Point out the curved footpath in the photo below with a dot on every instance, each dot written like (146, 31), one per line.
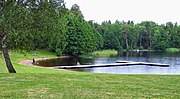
(29, 62)
(26, 62)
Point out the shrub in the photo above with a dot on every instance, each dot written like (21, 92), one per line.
(58, 52)
(105, 53)
(172, 50)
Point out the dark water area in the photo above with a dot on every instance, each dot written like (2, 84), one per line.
(153, 57)
(69, 61)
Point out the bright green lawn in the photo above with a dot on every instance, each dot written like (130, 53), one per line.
(88, 86)
(34, 83)
(16, 58)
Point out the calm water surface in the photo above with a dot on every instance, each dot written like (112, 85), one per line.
(155, 57)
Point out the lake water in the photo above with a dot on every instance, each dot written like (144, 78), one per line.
(154, 57)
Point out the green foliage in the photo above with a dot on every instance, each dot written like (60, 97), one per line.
(16, 25)
(160, 46)
(120, 48)
(141, 48)
(81, 38)
(105, 53)
(58, 36)
(110, 38)
(172, 50)
(99, 40)
(145, 35)
(58, 52)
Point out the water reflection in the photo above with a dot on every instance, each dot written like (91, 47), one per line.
(155, 57)
(67, 61)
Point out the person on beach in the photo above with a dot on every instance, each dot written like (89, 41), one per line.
(33, 62)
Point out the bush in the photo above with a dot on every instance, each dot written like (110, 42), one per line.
(172, 50)
(120, 48)
(58, 52)
(105, 53)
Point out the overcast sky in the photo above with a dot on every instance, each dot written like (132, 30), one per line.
(159, 11)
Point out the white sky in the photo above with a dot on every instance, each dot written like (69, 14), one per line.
(159, 11)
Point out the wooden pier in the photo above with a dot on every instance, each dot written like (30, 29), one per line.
(145, 63)
(118, 63)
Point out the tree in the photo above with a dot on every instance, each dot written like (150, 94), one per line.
(141, 31)
(80, 36)
(98, 37)
(53, 26)
(126, 35)
(14, 17)
(24, 21)
(107, 30)
(159, 41)
(58, 37)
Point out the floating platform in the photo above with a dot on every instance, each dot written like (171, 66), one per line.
(145, 63)
(118, 63)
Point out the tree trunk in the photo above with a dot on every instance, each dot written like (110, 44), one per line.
(140, 40)
(6, 54)
(127, 46)
(132, 44)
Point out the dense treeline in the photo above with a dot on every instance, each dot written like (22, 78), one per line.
(144, 35)
(65, 31)
(68, 33)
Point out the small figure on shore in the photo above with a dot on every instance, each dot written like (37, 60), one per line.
(78, 63)
(137, 50)
(33, 62)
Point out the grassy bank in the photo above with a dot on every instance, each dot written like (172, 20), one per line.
(105, 53)
(88, 86)
(32, 83)
(17, 57)
(172, 50)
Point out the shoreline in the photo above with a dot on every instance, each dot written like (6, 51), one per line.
(137, 50)
(30, 62)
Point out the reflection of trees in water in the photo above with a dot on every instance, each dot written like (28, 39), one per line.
(85, 61)
(135, 54)
(70, 61)
(147, 55)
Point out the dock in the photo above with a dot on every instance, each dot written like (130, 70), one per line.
(118, 63)
(145, 63)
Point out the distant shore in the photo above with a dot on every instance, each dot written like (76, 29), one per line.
(137, 50)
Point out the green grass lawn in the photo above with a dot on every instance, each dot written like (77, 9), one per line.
(34, 83)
